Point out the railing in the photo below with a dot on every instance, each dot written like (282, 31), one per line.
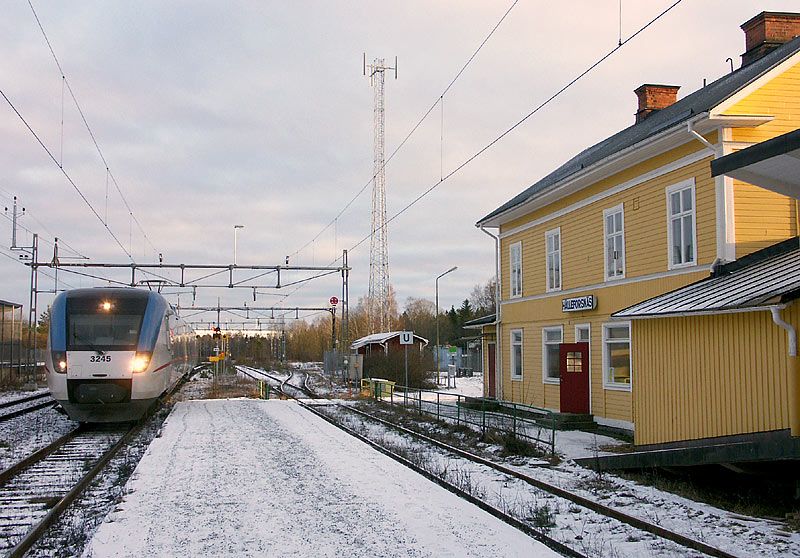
(530, 423)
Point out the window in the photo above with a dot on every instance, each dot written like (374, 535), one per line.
(614, 227)
(516, 269)
(553, 251)
(617, 356)
(551, 339)
(681, 224)
(516, 354)
(583, 333)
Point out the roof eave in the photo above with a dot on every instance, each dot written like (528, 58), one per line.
(612, 164)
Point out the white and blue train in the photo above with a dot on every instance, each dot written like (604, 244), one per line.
(113, 351)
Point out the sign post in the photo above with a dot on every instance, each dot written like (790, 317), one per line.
(406, 339)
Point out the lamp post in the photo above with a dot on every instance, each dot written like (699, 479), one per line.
(437, 319)
(235, 238)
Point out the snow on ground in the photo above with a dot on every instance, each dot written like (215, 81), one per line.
(21, 436)
(469, 386)
(265, 478)
(13, 394)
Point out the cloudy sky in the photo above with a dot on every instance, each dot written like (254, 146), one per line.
(211, 114)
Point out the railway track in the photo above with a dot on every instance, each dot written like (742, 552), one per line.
(37, 490)
(570, 498)
(23, 405)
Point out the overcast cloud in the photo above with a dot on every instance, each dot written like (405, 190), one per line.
(212, 114)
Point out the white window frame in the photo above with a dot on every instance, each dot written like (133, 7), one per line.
(684, 185)
(514, 286)
(547, 236)
(587, 327)
(607, 384)
(545, 378)
(607, 234)
(521, 332)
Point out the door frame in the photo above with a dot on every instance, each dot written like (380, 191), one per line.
(491, 369)
(564, 350)
(588, 326)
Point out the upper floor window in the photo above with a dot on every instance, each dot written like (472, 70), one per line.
(614, 232)
(681, 224)
(516, 269)
(553, 251)
(516, 354)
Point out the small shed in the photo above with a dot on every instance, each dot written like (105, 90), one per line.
(384, 343)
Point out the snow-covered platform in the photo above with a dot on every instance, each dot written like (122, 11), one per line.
(268, 478)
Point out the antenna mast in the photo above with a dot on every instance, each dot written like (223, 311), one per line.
(378, 297)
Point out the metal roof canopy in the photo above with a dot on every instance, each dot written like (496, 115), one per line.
(382, 338)
(765, 278)
(773, 164)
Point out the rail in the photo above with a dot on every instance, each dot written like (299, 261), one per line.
(527, 422)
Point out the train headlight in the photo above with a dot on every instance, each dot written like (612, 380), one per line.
(140, 362)
(60, 361)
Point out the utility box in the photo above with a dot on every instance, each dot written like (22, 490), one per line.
(377, 387)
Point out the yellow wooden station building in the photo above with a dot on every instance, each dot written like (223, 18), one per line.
(637, 216)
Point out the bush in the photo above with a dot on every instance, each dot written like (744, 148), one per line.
(392, 367)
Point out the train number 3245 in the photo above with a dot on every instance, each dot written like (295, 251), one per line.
(100, 358)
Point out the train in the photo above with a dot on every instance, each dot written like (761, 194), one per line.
(113, 351)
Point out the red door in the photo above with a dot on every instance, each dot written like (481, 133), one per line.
(574, 359)
(492, 361)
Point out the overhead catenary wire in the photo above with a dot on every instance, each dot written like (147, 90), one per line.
(69, 89)
(439, 99)
(65, 173)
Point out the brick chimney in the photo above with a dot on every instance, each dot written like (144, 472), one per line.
(766, 32)
(653, 98)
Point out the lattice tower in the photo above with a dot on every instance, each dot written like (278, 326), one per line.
(378, 296)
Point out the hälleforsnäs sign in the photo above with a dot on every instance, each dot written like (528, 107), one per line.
(578, 304)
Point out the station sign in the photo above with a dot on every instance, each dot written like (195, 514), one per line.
(578, 303)
(406, 337)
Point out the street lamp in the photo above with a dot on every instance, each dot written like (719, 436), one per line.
(235, 238)
(437, 319)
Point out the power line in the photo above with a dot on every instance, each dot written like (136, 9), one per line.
(509, 130)
(89, 128)
(66, 174)
(486, 147)
(427, 113)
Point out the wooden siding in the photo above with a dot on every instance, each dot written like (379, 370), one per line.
(646, 249)
(713, 375)
(533, 315)
(762, 218)
(780, 97)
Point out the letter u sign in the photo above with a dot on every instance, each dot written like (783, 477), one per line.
(406, 337)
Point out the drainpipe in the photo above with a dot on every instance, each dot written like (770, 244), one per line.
(701, 139)
(794, 370)
(498, 359)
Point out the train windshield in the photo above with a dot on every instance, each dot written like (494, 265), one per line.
(104, 324)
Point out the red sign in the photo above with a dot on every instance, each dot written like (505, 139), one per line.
(334, 301)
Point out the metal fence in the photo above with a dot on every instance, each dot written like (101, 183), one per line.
(530, 423)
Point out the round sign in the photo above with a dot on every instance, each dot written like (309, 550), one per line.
(334, 301)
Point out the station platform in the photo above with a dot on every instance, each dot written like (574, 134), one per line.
(269, 478)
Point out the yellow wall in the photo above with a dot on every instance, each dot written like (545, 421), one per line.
(763, 217)
(713, 375)
(779, 98)
(532, 316)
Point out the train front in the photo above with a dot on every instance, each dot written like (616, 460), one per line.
(100, 347)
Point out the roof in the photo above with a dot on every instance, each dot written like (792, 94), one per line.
(478, 323)
(765, 278)
(773, 164)
(681, 111)
(7, 304)
(381, 338)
